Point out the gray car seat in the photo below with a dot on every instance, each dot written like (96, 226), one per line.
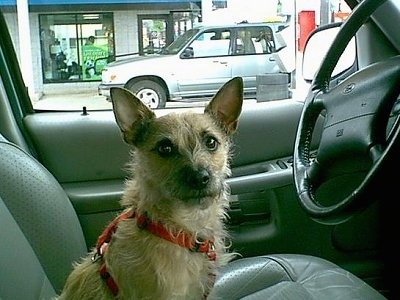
(22, 274)
(42, 237)
(43, 213)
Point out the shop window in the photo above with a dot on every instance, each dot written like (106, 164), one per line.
(71, 44)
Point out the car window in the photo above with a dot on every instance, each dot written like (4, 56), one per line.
(70, 47)
(180, 42)
(255, 40)
(211, 43)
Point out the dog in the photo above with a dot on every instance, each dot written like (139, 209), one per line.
(170, 238)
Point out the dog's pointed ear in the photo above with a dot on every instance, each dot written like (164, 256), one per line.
(226, 105)
(130, 113)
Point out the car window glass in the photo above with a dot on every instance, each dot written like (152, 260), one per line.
(180, 42)
(255, 40)
(211, 43)
(245, 42)
(316, 49)
(65, 72)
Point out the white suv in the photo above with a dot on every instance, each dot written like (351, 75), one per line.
(198, 62)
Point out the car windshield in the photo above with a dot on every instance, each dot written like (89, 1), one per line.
(173, 55)
(180, 42)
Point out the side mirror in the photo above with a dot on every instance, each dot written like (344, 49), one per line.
(280, 42)
(317, 46)
(187, 52)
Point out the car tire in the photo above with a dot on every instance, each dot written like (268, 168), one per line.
(149, 92)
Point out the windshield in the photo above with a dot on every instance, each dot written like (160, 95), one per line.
(180, 42)
(69, 49)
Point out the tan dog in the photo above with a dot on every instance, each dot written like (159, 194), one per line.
(170, 240)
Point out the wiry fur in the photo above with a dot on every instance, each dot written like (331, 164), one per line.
(164, 184)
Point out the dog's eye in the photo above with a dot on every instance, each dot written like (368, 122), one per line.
(211, 142)
(165, 148)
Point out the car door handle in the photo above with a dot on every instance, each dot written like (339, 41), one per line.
(271, 59)
(220, 62)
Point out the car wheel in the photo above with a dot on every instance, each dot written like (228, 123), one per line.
(356, 149)
(149, 92)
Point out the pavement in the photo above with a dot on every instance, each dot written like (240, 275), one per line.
(75, 100)
(92, 101)
(72, 101)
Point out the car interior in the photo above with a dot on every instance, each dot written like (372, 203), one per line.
(313, 183)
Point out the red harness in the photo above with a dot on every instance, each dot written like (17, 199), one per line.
(143, 222)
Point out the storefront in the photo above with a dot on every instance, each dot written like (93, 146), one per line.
(71, 43)
(66, 45)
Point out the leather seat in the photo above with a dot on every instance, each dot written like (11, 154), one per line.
(22, 275)
(42, 237)
(44, 215)
(291, 277)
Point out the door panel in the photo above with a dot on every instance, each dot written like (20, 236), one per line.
(77, 147)
(208, 57)
(87, 155)
(211, 73)
(93, 144)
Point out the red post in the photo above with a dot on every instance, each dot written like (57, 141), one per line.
(306, 21)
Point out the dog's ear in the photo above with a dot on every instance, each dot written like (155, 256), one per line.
(226, 105)
(130, 113)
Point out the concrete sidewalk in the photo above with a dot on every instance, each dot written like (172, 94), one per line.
(75, 100)
(91, 101)
(72, 101)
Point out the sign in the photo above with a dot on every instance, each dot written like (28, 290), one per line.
(91, 53)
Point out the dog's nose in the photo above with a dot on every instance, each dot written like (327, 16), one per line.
(198, 179)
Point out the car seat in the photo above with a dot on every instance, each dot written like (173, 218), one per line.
(42, 237)
(22, 274)
(44, 215)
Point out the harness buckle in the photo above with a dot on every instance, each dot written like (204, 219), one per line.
(96, 257)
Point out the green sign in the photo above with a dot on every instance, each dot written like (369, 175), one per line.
(91, 53)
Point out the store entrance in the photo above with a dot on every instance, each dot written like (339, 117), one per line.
(159, 30)
(155, 32)
(71, 44)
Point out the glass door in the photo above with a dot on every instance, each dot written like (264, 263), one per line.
(154, 33)
(158, 31)
(71, 44)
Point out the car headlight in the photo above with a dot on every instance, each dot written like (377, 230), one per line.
(107, 76)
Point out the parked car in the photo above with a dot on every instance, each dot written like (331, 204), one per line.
(314, 183)
(198, 63)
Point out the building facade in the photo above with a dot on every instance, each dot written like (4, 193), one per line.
(66, 39)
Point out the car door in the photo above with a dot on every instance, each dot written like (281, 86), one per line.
(205, 64)
(85, 152)
(253, 55)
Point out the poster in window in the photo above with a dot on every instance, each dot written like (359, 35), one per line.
(93, 61)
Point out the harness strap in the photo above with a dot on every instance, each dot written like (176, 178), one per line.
(109, 281)
(143, 222)
(101, 247)
(180, 238)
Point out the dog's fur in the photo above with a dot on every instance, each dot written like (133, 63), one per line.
(179, 166)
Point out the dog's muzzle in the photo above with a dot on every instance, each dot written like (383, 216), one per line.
(197, 179)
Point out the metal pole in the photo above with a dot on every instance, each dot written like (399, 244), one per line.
(25, 45)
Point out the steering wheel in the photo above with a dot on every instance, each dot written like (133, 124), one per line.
(354, 139)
